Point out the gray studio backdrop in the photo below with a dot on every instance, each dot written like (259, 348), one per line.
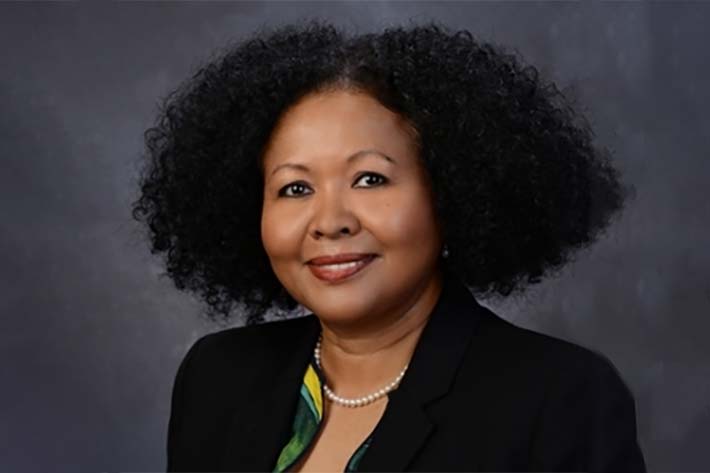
(91, 335)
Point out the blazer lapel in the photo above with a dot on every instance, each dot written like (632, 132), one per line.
(405, 426)
(260, 429)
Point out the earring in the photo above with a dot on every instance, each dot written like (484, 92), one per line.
(445, 252)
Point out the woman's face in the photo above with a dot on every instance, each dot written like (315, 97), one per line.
(341, 175)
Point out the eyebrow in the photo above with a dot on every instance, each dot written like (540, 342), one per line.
(353, 157)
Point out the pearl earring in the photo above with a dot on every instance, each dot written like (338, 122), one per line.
(445, 252)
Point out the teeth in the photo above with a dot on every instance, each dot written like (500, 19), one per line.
(342, 265)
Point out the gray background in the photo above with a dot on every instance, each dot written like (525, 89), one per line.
(90, 335)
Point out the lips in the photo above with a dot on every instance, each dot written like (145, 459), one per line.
(340, 258)
(342, 268)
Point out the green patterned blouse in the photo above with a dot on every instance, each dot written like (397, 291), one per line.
(307, 422)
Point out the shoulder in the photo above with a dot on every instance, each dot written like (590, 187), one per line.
(548, 353)
(572, 378)
(218, 375)
(580, 413)
(220, 366)
(247, 341)
(511, 359)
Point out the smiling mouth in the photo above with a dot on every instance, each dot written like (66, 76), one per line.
(340, 271)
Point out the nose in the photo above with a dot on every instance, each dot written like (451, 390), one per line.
(332, 218)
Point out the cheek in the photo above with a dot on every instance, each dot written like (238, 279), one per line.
(281, 232)
(404, 223)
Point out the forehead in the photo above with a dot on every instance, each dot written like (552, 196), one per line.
(335, 125)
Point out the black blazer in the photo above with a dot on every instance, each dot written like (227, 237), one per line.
(480, 394)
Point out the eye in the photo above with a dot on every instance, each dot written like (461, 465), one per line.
(299, 186)
(293, 185)
(382, 178)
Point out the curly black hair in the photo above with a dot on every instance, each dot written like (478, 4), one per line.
(518, 183)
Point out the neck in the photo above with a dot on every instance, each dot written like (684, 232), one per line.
(358, 361)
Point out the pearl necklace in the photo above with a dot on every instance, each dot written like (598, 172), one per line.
(360, 401)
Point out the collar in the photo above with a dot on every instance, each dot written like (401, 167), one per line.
(256, 437)
(405, 426)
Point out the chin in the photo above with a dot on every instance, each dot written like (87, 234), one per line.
(341, 311)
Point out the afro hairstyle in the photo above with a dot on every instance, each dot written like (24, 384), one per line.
(519, 185)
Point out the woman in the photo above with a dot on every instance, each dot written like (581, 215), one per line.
(373, 179)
